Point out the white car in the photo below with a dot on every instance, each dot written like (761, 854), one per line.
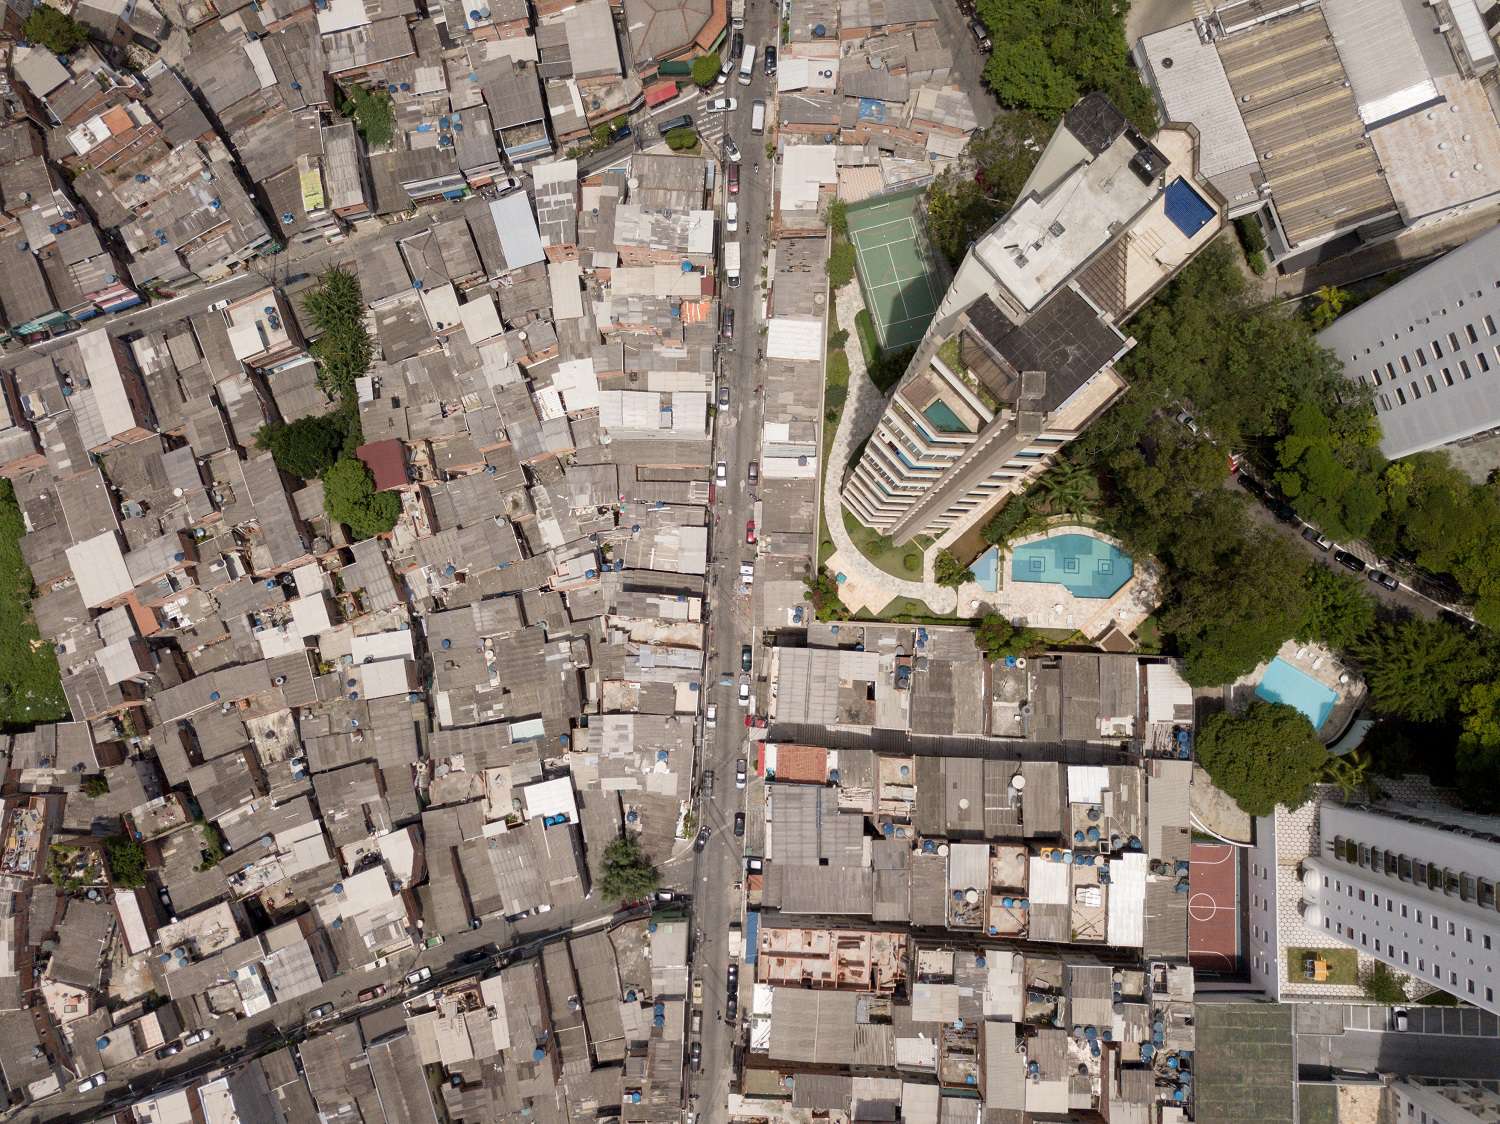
(711, 716)
(93, 1082)
(747, 572)
(731, 150)
(421, 975)
(731, 216)
(720, 105)
(197, 1036)
(745, 691)
(220, 306)
(721, 474)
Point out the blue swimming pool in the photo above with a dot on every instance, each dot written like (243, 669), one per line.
(987, 569)
(1087, 566)
(1188, 210)
(1283, 683)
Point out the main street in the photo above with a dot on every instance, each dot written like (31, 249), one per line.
(719, 869)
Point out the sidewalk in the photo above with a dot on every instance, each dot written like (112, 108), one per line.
(865, 585)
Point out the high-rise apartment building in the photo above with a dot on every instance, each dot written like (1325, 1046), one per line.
(1021, 355)
(1413, 886)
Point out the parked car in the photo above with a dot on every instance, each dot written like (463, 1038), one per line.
(769, 62)
(1186, 419)
(752, 472)
(695, 1057)
(1399, 1018)
(197, 1036)
(475, 955)
(723, 398)
(755, 721)
(747, 572)
(739, 825)
(720, 105)
(1317, 538)
(1457, 620)
(728, 328)
(1349, 561)
(90, 1083)
(681, 121)
(1380, 577)
(981, 36)
(321, 1011)
(707, 783)
(737, 46)
(740, 773)
(750, 532)
(731, 216)
(1253, 486)
(697, 1023)
(747, 655)
(744, 693)
(370, 993)
(170, 1050)
(420, 976)
(734, 179)
(220, 306)
(1283, 510)
(698, 992)
(731, 152)
(721, 474)
(711, 715)
(702, 840)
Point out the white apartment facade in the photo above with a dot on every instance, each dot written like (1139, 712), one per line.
(1412, 886)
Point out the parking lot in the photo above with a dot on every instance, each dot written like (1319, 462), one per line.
(1458, 1022)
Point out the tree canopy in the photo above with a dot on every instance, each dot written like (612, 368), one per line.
(342, 349)
(706, 70)
(967, 199)
(997, 638)
(948, 570)
(1268, 755)
(626, 872)
(126, 860)
(349, 495)
(305, 448)
(1383, 986)
(1417, 669)
(373, 114)
(1048, 53)
(54, 29)
(1339, 611)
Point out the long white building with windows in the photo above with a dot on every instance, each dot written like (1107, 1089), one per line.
(1413, 886)
(1021, 355)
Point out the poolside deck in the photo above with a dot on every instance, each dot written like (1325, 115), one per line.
(1053, 605)
(1318, 663)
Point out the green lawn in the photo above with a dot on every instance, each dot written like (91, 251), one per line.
(30, 688)
(1343, 965)
(904, 561)
(909, 607)
(1148, 636)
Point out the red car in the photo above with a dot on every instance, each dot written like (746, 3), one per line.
(750, 533)
(755, 721)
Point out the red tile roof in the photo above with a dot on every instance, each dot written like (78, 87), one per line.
(386, 461)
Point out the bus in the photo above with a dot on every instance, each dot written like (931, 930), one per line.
(747, 65)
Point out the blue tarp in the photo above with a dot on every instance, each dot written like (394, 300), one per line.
(872, 109)
(752, 934)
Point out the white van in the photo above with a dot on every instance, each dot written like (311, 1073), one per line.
(732, 215)
(747, 65)
(758, 117)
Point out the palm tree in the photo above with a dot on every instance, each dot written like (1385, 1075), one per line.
(1065, 487)
(1350, 772)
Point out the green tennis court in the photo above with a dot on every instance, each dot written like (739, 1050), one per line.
(898, 272)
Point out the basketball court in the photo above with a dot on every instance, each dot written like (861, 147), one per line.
(898, 272)
(1214, 908)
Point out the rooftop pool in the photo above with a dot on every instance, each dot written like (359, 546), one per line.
(1086, 566)
(1283, 683)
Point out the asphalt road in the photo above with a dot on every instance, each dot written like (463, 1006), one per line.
(718, 870)
(1408, 1052)
(968, 61)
